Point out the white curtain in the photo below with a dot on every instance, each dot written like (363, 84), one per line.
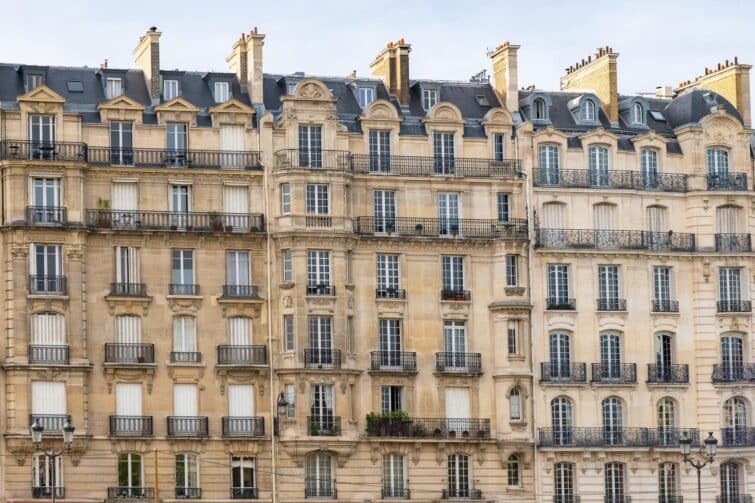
(728, 220)
(554, 216)
(128, 329)
(657, 221)
(48, 329)
(124, 196)
(240, 331)
(241, 400)
(185, 400)
(184, 334)
(603, 216)
(128, 399)
(48, 397)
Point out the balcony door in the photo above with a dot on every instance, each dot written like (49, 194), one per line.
(232, 146)
(560, 356)
(240, 331)
(459, 479)
(46, 200)
(46, 265)
(42, 136)
(322, 407)
(318, 269)
(126, 265)
(666, 412)
(384, 210)
(598, 166)
(180, 202)
(238, 267)
(121, 143)
(457, 410)
(649, 167)
(48, 329)
(176, 143)
(562, 421)
(610, 356)
(613, 421)
(128, 329)
(49, 399)
(455, 345)
(390, 342)
(241, 400)
(236, 208)
(730, 484)
(128, 399)
(320, 340)
(730, 286)
(558, 284)
(310, 146)
(130, 476)
(664, 356)
(444, 154)
(185, 400)
(453, 275)
(380, 151)
(608, 287)
(124, 204)
(184, 334)
(732, 360)
(449, 204)
(387, 275)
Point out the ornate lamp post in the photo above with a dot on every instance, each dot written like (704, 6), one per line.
(36, 438)
(705, 456)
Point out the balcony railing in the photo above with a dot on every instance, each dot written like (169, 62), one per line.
(735, 437)
(614, 437)
(158, 158)
(130, 426)
(423, 427)
(398, 491)
(243, 426)
(734, 306)
(176, 221)
(569, 498)
(43, 150)
(461, 228)
(130, 353)
(390, 293)
(52, 423)
(128, 289)
(560, 304)
(455, 362)
(320, 488)
(187, 426)
(668, 374)
(455, 295)
(428, 166)
(130, 493)
(185, 357)
(322, 358)
(612, 179)
(183, 289)
(242, 355)
(733, 373)
(45, 492)
(665, 306)
(466, 493)
(727, 181)
(323, 426)
(240, 291)
(244, 493)
(339, 160)
(48, 285)
(670, 498)
(563, 372)
(736, 498)
(733, 243)
(615, 239)
(393, 361)
(622, 373)
(611, 304)
(325, 290)
(188, 493)
(46, 215)
(48, 355)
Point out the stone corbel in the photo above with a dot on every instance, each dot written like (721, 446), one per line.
(250, 447)
(77, 449)
(21, 449)
(440, 453)
(184, 304)
(416, 453)
(118, 446)
(196, 446)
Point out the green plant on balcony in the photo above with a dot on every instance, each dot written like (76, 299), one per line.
(389, 424)
(104, 218)
(216, 221)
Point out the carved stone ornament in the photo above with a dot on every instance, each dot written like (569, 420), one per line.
(185, 304)
(20, 448)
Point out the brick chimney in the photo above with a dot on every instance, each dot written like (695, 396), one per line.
(596, 74)
(147, 59)
(730, 79)
(245, 61)
(392, 65)
(506, 74)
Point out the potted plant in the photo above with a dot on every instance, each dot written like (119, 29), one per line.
(216, 222)
(418, 229)
(104, 216)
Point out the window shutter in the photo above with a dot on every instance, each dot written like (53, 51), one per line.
(185, 400)
(48, 397)
(128, 399)
(48, 329)
(240, 331)
(241, 400)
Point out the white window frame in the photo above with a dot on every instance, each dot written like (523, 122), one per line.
(287, 266)
(113, 87)
(366, 95)
(512, 271)
(170, 89)
(190, 463)
(429, 98)
(285, 198)
(319, 268)
(289, 336)
(221, 92)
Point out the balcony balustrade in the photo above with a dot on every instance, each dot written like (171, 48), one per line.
(735, 498)
(393, 361)
(668, 374)
(615, 437)
(622, 373)
(129, 353)
(727, 181)
(465, 493)
(412, 165)
(575, 373)
(733, 373)
(458, 363)
(48, 285)
(321, 289)
(43, 150)
(183, 289)
(734, 306)
(612, 179)
(737, 437)
(188, 493)
(457, 295)
(128, 289)
(46, 215)
(322, 488)
(188, 426)
(461, 228)
(253, 426)
(179, 158)
(397, 491)
(242, 355)
(244, 493)
(615, 239)
(322, 358)
(52, 423)
(45, 492)
(423, 427)
(48, 355)
(390, 293)
(130, 426)
(185, 357)
(611, 304)
(733, 242)
(193, 221)
(240, 292)
(130, 493)
(665, 306)
(324, 426)
(560, 304)
(314, 159)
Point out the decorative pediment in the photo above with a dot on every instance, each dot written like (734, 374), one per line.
(549, 135)
(444, 114)
(242, 375)
(298, 450)
(176, 110)
(120, 445)
(313, 90)
(121, 108)
(231, 112)
(497, 117)
(599, 135)
(380, 113)
(144, 373)
(651, 139)
(41, 94)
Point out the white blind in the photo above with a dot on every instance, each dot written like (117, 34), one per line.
(235, 199)
(603, 216)
(657, 221)
(231, 144)
(48, 397)
(126, 264)
(124, 196)
(128, 329)
(48, 329)
(457, 403)
(554, 216)
(727, 220)
(128, 399)
(240, 331)
(241, 400)
(184, 334)
(185, 400)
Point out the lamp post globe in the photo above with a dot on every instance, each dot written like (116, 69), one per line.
(68, 430)
(36, 432)
(710, 445)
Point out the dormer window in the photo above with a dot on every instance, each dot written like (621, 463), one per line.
(638, 113)
(170, 89)
(366, 95)
(291, 88)
(113, 87)
(589, 114)
(33, 81)
(429, 98)
(540, 112)
(222, 92)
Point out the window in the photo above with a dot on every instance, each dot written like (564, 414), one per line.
(604, 219)
(113, 87)
(238, 269)
(540, 110)
(453, 275)
(46, 201)
(513, 475)
(448, 213)
(121, 143)
(499, 147)
(389, 341)
(366, 95)
(649, 167)
(285, 198)
(563, 483)
(130, 476)
(48, 404)
(390, 399)
(503, 207)
(558, 286)
(317, 199)
(735, 431)
(668, 483)
(515, 404)
(176, 143)
(291, 88)
(43, 472)
(614, 481)
(48, 329)
(74, 86)
(610, 356)
(127, 268)
(729, 288)
(731, 486)
(429, 98)
(394, 477)
(319, 479)
(128, 330)
(560, 355)
(46, 269)
(608, 288)
(512, 337)
(384, 210)
(310, 146)
(562, 421)
(170, 89)
(187, 476)
(222, 92)
(598, 168)
(444, 153)
(322, 408)
(290, 401)
(185, 404)
(33, 81)
(318, 268)
(613, 421)
(287, 266)
(388, 278)
(664, 357)
(320, 340)
(732, 350)
(180, 203)
(718, 162)
(184, 338)
(459, 480)
(455, 344)
(589, 114)
(380, 151)
(666, 420)
(243, 477)
(728, 220)
(182, 272)
(512, 270)
(240, 330)
(548, 165)
(657, 224)
(638, 113)
(662, 289)
(42, 136)
(289, 342)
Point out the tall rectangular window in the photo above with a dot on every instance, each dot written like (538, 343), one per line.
(238, 268)
(390, 399)
(444, 153)
(318, 268)
(33, 81)
(126, 265)
(499, 147)
(384, 210)
(187, 476)
(287, 266)
(43, 474)
(662, 284)
(729, 285)
(558, 284)
(184, 336)
(512, 270)
(318, 199)
(512, 337)
(504, 213)
(170, 89)
(608, 287)
(388, 281)
(289, 342)
(285, 199)
(46, 201)
(394, 477)
(121, 143)
(290, 401)
(380, 151)
(310, 146)
(42, 136)
(182, 267)
(113, 87)
(243, 477)
(176, 137)
(453, 273)
(222, 92)
(46, 269)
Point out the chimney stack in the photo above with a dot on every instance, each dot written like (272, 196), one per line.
(392, 65)
(506, 74)
(245, 61)
(147, 59)
(597, 74)
(664, 92)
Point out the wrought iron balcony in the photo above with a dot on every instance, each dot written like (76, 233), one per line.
(48, 285)
(128, 289)
(466, 493)
(458, 363)
(183, 289)
(668, 374)
(622, 373)
(455, 295)
(240, 292)
(427, 166)
(461, 228)
(615, 239)
(322, 358)
(665, 306)
(253, 426)
(397, 491)
(52, 423)
(611, 304)
(734, 306)
(670, 498)
(736, 498)
(130, 493)
(194, 221)
(390, 293)
(560, 304)
(736, 437)
(129, 353)
(130, 426)
(727, 181)
(48, 355)
(180, 158)
(188, 426)
(185, 357)
(320, 488)
(242, 355)
(563, 372)
(570, 498)
(46, 215)
(244, 493)
(339, 160)
(612, 179)
(45, 492)
(424, 427)
(393, 361)
(614, 437)
(617, 499)
(733, 373)
(733, 243)
(321, 289)
(323, 426)
(43, 150)
(188, 493)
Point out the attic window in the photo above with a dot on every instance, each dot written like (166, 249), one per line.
(540, 110)
(75, 86)
(33, 81)
(222, 92)
(657, 116)
(638, 113)
(482, 101)
(291, 88)
(170, 89)
(589, 111)
(366, 96)
(113, 88)
(429, 98)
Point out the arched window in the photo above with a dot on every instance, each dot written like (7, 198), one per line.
(319, 481)
(459, 476)
(718, 162)
(562, 421)
(514, 478)
(515, 404)
(589, 111)
(610, 356)
(638, 113)
(649, 167)
(598, 167)
(548, 165)
(560, 358)
(563, 483)
(614, 482)
(730, 483)
(130, 476)
(612, 412)
(541, 112)
(735, 422)
(394, 477)
(668, 483)
(732, 366)
(666, 419)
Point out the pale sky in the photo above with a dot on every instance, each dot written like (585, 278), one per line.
(660, 42)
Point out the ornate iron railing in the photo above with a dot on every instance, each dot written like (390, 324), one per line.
(623, 373)
(128, 289)
(427, 165)
(560, 304)
(132, 353)
(52, 423)
(455, 295)
(461, 228)
(242, 355)
(130, 426)
(615, 239)
(174, 221)
(727, 181)
(393, 361)
(734, 306)
(467, 493)
(728, 372)
(188, 493)
(253, 426)
(665, 306)
(327, 290)
(566, 498)
(614, 437)
(398, 491)
(43, 150)
(736, 498)
(130, 493)
(668, 374)
(457, 362)
(48, 355)
(46, 215)
(244, 493)
(733, 242)
(612, 179)
(339, 160)
(611, 304)
(183, 289)
(734, 437)
(426, 427)
(48, 285)
(563, 372)
(241, 291)
(670, 498)
(322, 358)
(45, 492)
(178, 158)
(320, 488)
(188, 426)
(185, 357)
(390, 293)
(324, 426)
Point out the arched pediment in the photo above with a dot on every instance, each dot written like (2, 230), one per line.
(312, 89)
(549, 134)
(651, 139)
(497, 116)
(599, 135)
(380, 110)
(721, 128)
(446, 113)
(121, 108)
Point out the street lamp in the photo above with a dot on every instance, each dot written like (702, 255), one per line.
(281, 405)
(705, 456)
(36, 438)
